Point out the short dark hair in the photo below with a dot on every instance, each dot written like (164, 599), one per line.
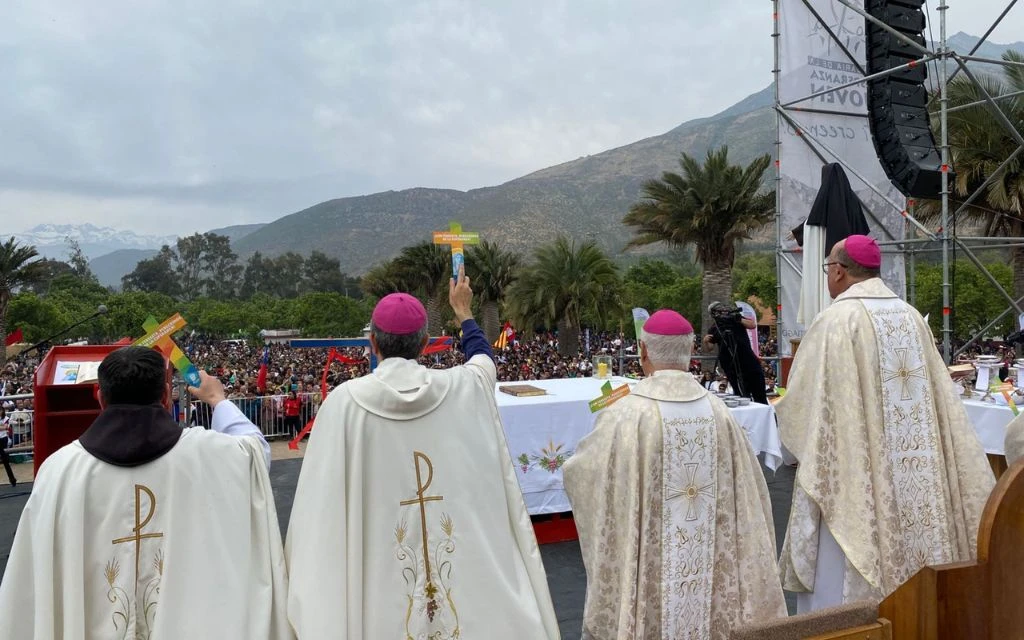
(390, 345)
(133, 375)
(854, 269)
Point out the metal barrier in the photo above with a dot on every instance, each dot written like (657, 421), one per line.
(19, 424)
(268, 413)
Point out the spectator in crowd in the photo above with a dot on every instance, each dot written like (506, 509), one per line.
(5, 440)
(292, 406)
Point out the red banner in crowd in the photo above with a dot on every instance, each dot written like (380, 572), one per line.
(15, 337)
(332, 356)
(436, 345)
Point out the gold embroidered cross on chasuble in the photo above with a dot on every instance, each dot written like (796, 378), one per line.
(431, 609)
(132, 609)
(911, 439)
(689, 468)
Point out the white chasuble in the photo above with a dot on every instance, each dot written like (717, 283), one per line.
(408, 521)
(185, 546)
(673, 517)
(689, 460)
(892, 476)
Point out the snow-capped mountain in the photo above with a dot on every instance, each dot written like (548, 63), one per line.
(51, 240)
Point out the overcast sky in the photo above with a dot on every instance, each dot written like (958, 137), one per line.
(172, 116)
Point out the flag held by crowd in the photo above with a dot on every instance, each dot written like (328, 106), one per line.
(639, 318)
(437, 345)
(14, 337)
(506, 336)
(261, 377)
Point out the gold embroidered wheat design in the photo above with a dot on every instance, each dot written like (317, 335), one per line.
(111, 571)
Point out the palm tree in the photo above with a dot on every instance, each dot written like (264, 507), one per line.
(492, 271)
(564, 283)
(980, 144)
(382, 280)
(712, 207)
(19, 267)
(426, 269)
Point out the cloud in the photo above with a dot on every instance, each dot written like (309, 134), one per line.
(207, 114)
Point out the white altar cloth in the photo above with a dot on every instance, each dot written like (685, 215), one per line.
(990, 422)
(542, 433)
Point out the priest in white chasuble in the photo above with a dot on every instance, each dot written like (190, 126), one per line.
(892, 476)
(672, 509)
(143, 530)
(408, 520)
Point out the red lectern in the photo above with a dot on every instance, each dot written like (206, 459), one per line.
(64, 408)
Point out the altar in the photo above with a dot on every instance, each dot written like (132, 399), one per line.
(543, 431)
(989, 420)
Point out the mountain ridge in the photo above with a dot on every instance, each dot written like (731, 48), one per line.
(584, 198)
(51, 240)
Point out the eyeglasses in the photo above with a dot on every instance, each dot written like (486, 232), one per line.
(825, 266)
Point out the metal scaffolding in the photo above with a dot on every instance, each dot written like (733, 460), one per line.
(920, 238)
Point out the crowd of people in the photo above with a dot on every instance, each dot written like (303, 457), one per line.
(291, 393)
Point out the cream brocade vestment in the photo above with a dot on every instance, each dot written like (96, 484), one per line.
(889, 461)
(1014, 441)
(674, 518)
(408, 520)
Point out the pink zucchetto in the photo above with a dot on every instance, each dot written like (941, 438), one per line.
(864, 251)
(667, 322)
(399, 314)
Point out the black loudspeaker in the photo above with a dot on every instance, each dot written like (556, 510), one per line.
(898, 102)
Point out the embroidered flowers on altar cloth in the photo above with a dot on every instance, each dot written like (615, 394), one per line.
(551, 458)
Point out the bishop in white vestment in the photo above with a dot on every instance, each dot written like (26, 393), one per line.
(142, 530)
(672, 509)
(892, 476)
(408, 519)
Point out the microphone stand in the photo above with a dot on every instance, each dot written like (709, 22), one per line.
(99, 312)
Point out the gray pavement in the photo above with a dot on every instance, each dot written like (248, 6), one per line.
(562, 562)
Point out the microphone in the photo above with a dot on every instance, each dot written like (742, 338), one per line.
(100, 311)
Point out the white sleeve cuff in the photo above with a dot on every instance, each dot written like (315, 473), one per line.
(229, 420)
